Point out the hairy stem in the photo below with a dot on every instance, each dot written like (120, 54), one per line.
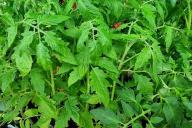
(189, 15)
(137, 117)
(127, 48)
(52, 83)
(88, 90)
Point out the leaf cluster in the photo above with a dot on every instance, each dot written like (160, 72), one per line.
(96, 63)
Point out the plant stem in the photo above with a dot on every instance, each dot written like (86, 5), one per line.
(189, 15)
(39, 34)
(137, 117)
(151, 125)
(127, 60)
(88, 90)
(52, 82)
(124, 55)
(35, 27)
(127, 48)
(128, 70)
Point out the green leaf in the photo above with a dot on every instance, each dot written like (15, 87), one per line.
(187, 124)
(2, 106)
(188, 104)
(86, 120)
(72, 109)
(46, 106)
(24, 62)
(73, 32)
(21, 124)
(12, 32)
(127, 95)
(51, 40)
(157, 52)
(111, 53)
(63, 53)
(31, 112)
(43, 122)
(134, 3)
(168, 37)
(106, 116)
(108, 65)
(89, 10)
(77, 74)
(85, 30)
(104, 37)
(173, 111)
(137, 125)
(10, 116)
(26, 41)
(37, 80)
(7, 19)
(127, 109)
(148, 13)
(64, 69)
(21, 102)
(27, 123)
(93, 99)
(173, 2)
(83, 57)
(156, 119)
(117, 8)
(158, 60)
(143, 58)
(144, 84)
(22, 53)
(179, 81)
(68, 6)
(160, 9)
(52, 19)
(43, 57)
(100, 85)
(7, 78)
(169, 112)
(184, 51)
(62, 120)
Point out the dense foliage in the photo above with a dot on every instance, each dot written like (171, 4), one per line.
(96, 63)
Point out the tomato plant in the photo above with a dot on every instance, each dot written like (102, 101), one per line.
(96, 63)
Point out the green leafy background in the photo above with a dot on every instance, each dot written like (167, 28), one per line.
(96, 63)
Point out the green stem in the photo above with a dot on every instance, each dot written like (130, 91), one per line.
(128, 70)
(52, 82)
(151, 125)
(39, 34)
(35, 27)
(88, 90)
(134, 119)
(127, 48)
(127, 60)
(189, 15)
(113, 90)
(120, 66)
